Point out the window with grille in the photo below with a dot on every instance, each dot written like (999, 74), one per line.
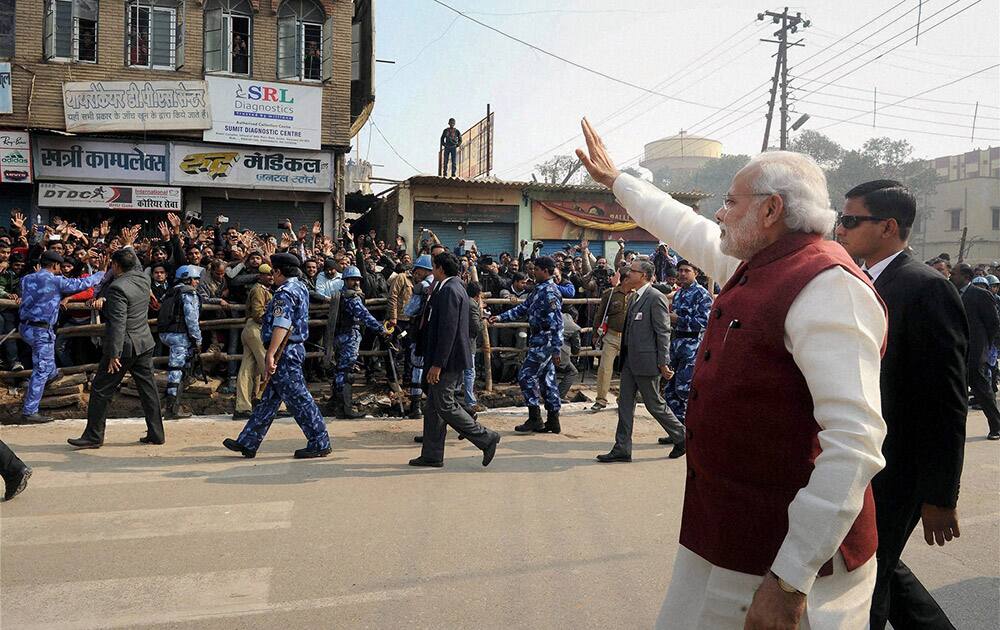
(6, 28)
(70, 30)
(228, 36)
(152, 36)
(996, 218)
(305, 41)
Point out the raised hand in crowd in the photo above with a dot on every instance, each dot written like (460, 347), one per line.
(105, 228)
(164, 230)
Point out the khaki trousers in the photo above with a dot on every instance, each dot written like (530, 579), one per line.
(251, 367)
(609, 352)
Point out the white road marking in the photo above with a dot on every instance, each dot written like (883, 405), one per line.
(128, 602)
(133, 524)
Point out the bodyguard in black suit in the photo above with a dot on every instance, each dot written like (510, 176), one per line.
(984, 322)
(128, 347)
(448, 353)
(924, 400)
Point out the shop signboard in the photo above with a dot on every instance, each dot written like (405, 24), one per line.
(6, 92)
(259, 113)
(239, 167)
(78, 160)
(109, 197)
(595, 220)
(97, 106)
(15, 157)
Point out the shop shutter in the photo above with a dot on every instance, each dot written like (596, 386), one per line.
(261, 216)
(646, 248)
(491, 238)
(552, 246)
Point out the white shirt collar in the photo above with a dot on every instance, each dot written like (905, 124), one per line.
(640, 291)
(876, 270)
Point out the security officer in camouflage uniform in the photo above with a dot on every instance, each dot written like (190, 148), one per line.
(285, 327)
(351, 314)
(688, 318)
(545, 322)
(422, 283)
(40, 295)
(180, 332)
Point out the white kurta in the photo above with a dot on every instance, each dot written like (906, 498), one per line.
(834, 330)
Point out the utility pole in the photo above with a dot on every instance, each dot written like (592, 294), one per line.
(789, 24)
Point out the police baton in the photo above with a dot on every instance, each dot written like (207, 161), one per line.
(267, 375)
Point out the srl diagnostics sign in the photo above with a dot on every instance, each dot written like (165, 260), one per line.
(265, 114)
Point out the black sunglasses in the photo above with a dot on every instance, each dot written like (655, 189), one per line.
(851, 221)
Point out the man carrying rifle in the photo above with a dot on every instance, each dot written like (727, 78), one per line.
(284, 330)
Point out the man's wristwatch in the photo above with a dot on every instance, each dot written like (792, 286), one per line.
(785, 586)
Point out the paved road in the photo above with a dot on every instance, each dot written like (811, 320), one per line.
(191, 536)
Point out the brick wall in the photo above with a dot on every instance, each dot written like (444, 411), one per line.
(46, 96)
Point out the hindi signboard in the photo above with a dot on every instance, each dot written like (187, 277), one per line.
(238, 167)
(15, 157)
(94, 106)
(258, 113)
(80, 160)
(6, 93)
(109, 197)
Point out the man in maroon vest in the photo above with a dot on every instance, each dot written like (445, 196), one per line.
(784, 424)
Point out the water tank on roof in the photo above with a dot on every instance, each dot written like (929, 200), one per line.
(679, 154)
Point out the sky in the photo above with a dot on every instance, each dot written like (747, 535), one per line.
(704, 61)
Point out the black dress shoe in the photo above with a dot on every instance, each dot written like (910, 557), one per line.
(35, 418)
(677, 452)
(419, 439)
(148, 440)
(665, 440)
(993, 436)
(430, 463)
(613, 457)
(312, 453)
(490, 450)
(81, 443)
(16, 484)
(233, 445)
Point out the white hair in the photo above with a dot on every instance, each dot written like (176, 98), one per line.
(802, 185)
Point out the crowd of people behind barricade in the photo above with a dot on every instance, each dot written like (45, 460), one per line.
(223, 267)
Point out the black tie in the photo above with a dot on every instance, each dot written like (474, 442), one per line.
(868, 274)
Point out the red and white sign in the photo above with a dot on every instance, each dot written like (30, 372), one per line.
(106, 197)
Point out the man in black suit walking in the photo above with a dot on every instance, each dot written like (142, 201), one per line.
(128, 346)
(923, 397)
(448, 353)
(984, 323)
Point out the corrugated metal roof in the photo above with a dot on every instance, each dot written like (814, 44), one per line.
(493, 182)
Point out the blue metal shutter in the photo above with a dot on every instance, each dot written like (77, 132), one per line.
(647, 248)
(491, 238)
(552, 246)
(261, 216)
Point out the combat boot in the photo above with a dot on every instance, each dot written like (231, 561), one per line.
(346, 407)
(534, 423)
(552, 421)
(414, 412)
(169, 405)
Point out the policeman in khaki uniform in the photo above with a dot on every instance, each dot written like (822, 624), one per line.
(614, 303)
(40, 295)
(544, 311)
(252, 366)
(285, 327)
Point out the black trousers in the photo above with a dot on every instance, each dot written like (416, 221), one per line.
(983, 391)
(899, 596)
(10, 464)
(103, 392)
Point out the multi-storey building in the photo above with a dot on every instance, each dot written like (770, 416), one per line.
(966, 201)
(241, 108)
